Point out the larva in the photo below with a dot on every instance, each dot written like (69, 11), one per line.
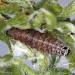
(40, 41)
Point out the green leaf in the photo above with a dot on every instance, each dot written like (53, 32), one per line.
(37, 20)
(42, 62)
(39, 4)
(66, 31)
(73, 22)
(65, 27)
(27, 50)
(12, 69)
(7, 57)
(5, 39)
(58, 71)
(9, 9)
(27, 69)
(1, 17)
(16, 70)
(53, 6)
(5, 70)
(50, 5)
(71, 59)
(53, 60)
(20, 3)
(20, 21)
(68, 11)
(2, 24)
(44, 20)
(50, 20)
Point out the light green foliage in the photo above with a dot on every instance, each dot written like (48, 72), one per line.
(66, 28)
(5, 68)
(27, 50)
(5, 39)
(50, 5)
(68, 11)
(37, 20)
(1, 17)
(21, 3)
(2, 24)
(9, 9)
(16, 70)
(39, 4)
(71, 59)
(42, 62)
(50, 20)
(43, 19)
(53, 60)
(49, 16)
(5, 71)
(20, 21)
(58, 71)
(53, 7)
(7, 58)
(27, 69)
(12, 69)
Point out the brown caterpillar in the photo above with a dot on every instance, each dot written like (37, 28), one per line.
(40, 41)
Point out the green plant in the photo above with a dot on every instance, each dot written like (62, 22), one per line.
(47, 15)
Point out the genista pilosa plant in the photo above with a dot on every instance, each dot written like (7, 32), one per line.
(42, 32)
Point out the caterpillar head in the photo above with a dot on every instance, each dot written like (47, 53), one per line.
(66, 50)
